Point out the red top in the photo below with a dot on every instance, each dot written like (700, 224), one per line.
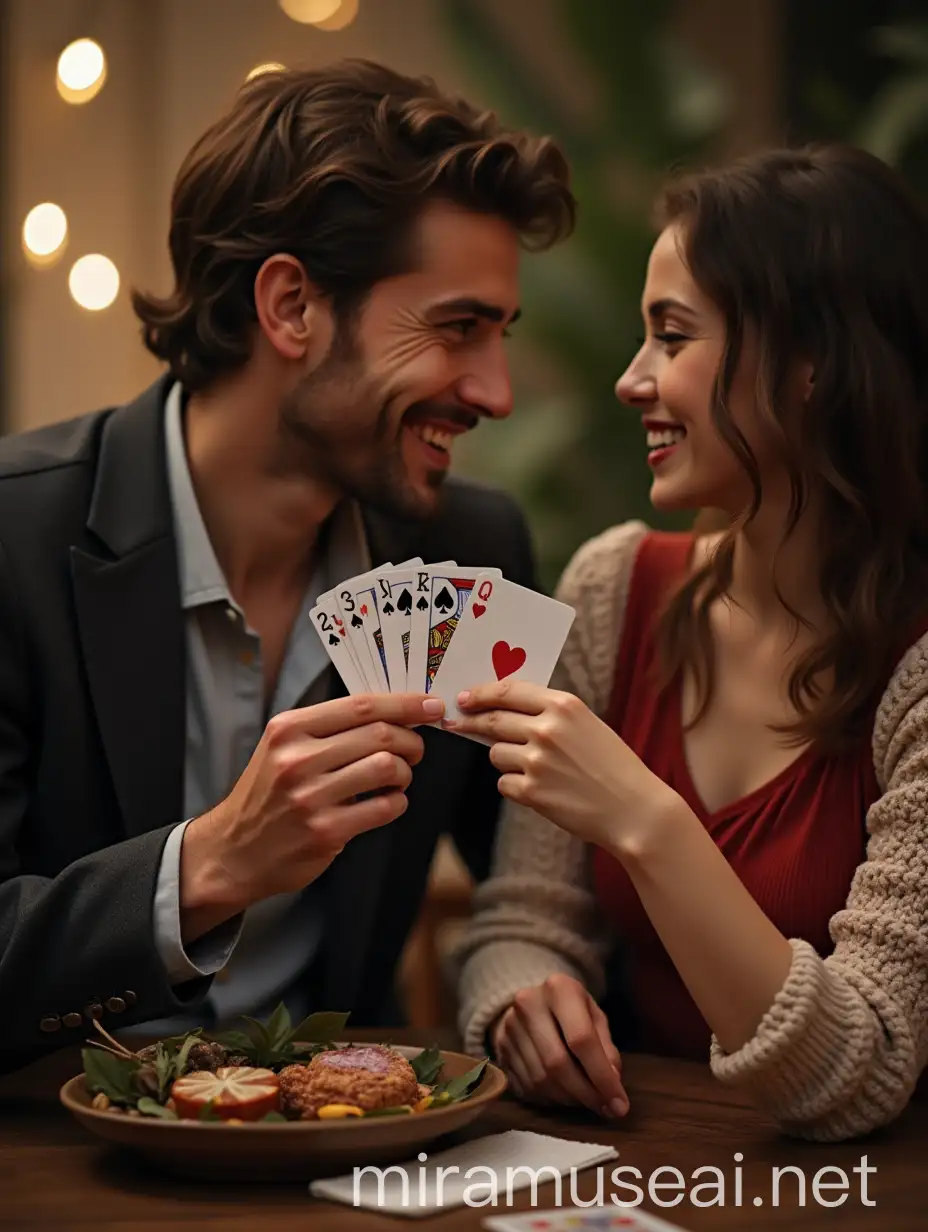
(794, 843)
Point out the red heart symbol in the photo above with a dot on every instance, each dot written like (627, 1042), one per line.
(507, 659)
(478, 609)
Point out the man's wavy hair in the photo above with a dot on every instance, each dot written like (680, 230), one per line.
(824, 253)
(331, 166)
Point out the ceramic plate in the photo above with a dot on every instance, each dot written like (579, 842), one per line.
(298, 1150)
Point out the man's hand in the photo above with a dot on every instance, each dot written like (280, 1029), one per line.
(296, 804)
(555, 1045)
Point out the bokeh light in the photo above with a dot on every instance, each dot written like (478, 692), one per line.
(260, 69)
(81, 71)
(343, 16)
(45, 230)
(94, 282)
(309, 12)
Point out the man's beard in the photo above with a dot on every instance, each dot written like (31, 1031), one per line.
(324, 435)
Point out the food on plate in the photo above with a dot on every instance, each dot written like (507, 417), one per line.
(360, 1077)
(239, 1092)
(270, 1071)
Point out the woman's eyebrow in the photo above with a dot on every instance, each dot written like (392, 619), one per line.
(660, 307)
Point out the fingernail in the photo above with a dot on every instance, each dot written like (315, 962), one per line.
(448, 724)
(434, 706)
(618, 1106)
(464, 697)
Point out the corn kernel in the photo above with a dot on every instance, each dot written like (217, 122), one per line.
(331, 1112)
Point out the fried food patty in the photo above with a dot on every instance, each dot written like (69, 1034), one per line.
(370, 1077)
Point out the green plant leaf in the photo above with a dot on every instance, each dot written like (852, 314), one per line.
(459, 1088)
(165, 1069)
(274, 1116)
(235, 1041)
(110, 1074)
(150, 1107)
(180, 1061)
(396, 1110)
(259, 1033)
(321, 1028)
(208, 1113)
(427, 1065)
(279, 1027)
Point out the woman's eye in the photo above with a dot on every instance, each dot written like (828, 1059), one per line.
(671, 339)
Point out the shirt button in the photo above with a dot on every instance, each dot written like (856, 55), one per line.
(51, 1023)
(73, 1020)
(231, 614)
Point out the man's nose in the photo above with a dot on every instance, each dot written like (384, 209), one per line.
(488, 391)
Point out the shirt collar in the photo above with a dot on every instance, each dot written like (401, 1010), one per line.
(202, 581)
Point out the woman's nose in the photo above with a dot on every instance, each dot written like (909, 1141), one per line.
(636, 386)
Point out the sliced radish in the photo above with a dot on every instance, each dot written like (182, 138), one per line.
(239, 1092)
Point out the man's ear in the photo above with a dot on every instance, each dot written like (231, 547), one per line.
(293, 316)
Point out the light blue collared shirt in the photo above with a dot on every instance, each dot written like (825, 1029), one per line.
(257, 958)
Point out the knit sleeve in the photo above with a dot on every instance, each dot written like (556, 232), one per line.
(841, 1048)
(536, 915)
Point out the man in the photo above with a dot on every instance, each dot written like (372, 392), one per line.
(195, 821)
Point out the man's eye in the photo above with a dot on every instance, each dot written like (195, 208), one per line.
(464, 326)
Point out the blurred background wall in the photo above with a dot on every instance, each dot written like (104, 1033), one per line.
(631, 87)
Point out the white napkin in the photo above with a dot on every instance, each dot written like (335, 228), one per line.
(412, 1188)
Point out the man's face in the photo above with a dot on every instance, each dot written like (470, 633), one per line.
(424, 361)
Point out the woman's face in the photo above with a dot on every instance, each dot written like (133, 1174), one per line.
(670, 382)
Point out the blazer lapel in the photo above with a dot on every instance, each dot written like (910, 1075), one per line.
(130, 619)
(356, 878)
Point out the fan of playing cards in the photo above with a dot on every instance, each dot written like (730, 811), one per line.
(438, 629)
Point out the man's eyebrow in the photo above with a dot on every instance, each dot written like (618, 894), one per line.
(658, 307)
(467, 306)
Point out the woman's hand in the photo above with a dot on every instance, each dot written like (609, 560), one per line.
(559, 759)
(554, 1042)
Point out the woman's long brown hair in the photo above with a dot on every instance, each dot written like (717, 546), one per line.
(824, 253)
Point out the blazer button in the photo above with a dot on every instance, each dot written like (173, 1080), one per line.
(73, 1020)
(51, 1023)
(93, 1010)
(116, 1004)
(129, 997)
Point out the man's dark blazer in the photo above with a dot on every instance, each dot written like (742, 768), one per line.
(92, 737)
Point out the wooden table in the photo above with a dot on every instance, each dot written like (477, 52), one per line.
(55, 1176)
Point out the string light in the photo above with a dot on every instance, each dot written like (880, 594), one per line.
(94, 282)
(81, 71)
(45, 230)
(260, 69)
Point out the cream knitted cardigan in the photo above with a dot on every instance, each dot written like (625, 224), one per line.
(841, 1048)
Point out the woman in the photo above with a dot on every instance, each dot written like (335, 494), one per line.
(726, 786)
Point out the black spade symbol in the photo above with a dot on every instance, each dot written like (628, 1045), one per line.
(388, 608)
(422, 604)
(404, 603)
(444, 602)
(356, 621)
(333, 640)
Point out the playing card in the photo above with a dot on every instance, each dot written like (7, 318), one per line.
(432, 628)
(357, 600)
(328, 623)
(395, 604)
(506, 632)
(610, 1218)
